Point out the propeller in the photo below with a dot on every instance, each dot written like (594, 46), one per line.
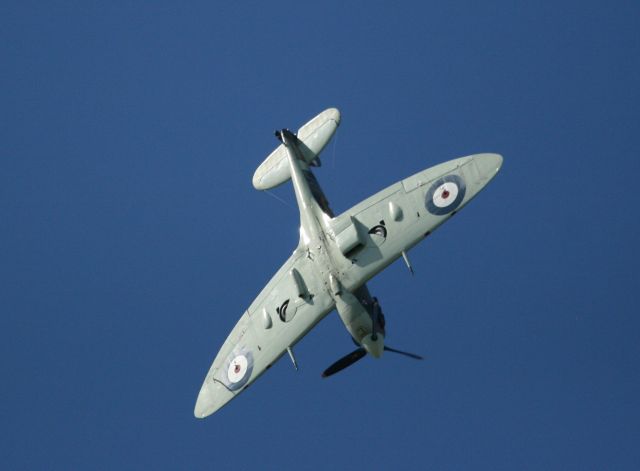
(345, 361)
(377, 322)
(356, 355)
(407, 354)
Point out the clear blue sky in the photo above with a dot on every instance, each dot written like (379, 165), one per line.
(131, 239)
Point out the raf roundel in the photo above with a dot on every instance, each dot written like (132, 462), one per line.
(238, 369)
(445, 195)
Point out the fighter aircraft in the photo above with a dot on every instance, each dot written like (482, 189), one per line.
(335, 257)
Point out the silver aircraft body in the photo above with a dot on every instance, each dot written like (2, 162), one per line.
(335, 257)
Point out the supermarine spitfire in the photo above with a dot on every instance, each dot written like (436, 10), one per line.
(335, 257)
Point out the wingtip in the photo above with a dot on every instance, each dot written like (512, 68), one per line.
(212, 397)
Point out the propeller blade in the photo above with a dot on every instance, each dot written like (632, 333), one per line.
(410, 355)
(345, 361)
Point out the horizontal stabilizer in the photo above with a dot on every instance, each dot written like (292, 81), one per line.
(312, 139)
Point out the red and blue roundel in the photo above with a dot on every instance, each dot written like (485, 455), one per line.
(445, 195)
(237, 368)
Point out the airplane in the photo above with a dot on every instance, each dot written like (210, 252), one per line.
(335, 257)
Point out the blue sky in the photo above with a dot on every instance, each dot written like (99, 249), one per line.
(131, 239)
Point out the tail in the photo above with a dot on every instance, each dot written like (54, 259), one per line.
(312, 139)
